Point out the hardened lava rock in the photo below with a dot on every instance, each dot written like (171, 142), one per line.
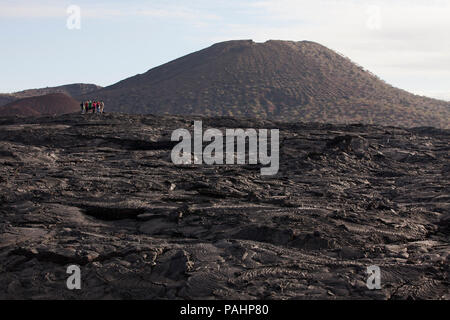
(100, 192)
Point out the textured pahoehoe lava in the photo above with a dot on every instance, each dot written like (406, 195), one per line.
(346, 197)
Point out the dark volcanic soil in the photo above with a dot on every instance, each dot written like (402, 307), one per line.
(50, 104)
(101, 192)
(277, 80)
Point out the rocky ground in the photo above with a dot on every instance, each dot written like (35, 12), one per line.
(102, 193)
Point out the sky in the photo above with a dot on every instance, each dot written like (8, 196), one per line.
(49, 42)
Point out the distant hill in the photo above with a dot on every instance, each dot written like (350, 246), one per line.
(74, 90)
(50, 104)
(281, 80)
(6, 98)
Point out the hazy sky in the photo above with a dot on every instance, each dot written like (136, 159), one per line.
(405, 42)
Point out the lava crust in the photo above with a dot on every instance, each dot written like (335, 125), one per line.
(101, 192)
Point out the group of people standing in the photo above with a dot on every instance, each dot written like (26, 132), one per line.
(95, 106)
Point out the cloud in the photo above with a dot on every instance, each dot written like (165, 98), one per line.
(443, 95)
(175, 12)
(31, 11)
(106, 10)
